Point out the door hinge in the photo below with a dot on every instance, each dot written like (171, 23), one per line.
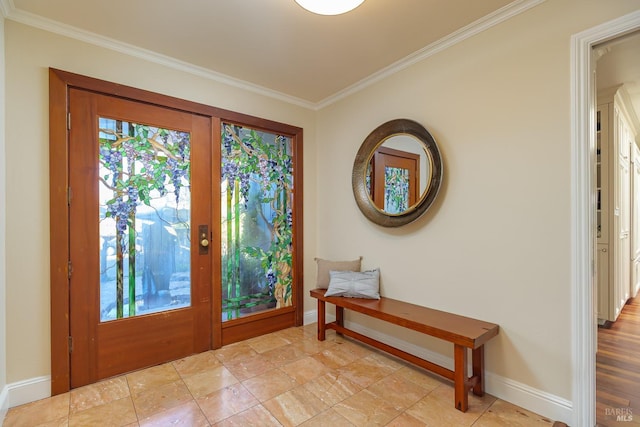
(69, 269)
(69, 194)
(70, 342)
(68, 121)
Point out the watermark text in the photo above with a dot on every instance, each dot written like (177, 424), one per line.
(621, 414)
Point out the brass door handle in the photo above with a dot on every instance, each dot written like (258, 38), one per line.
(203, 238)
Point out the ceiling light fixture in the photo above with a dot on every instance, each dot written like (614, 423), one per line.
(329, 7)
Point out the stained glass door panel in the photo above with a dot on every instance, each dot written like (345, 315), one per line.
(256, 212)
(396, 190)
(145, 200)
(140, 187)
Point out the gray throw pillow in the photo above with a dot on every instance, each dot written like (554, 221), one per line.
(365, 284)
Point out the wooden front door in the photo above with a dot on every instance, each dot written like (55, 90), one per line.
(140, 223)
(395, 179)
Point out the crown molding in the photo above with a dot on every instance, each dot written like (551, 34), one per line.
(476, 27)
(517, 7)
(626, 106)
(56, 27)
(6, 7)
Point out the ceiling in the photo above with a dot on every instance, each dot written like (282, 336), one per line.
(275, 46)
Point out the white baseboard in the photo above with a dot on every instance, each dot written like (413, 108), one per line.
(4, 403)
(542, 403)
(310, 317)
(27, 391)
(546, 404)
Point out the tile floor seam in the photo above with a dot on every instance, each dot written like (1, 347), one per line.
(194, 400)
(132, 401)
(485, 411)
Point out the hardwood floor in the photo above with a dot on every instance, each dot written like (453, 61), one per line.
(618, 370)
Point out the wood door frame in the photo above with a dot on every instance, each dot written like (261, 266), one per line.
(379, 164)
(59, 84)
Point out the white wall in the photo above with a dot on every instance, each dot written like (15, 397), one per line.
(496, 245)
(30, 52)
(4, 401)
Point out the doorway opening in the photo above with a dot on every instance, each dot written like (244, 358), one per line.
(584, 324)
(618, 230)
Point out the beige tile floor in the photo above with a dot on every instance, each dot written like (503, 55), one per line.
(286, 378)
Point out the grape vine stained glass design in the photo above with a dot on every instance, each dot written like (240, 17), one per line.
(257, 196)
(396, 190)
(144, 196)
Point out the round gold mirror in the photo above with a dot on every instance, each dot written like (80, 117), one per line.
(397, 173)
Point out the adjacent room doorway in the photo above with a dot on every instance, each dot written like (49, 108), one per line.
(584, 324)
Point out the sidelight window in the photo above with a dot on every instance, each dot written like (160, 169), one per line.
(257, 221)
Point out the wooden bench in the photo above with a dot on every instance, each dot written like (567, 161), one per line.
(463, 332)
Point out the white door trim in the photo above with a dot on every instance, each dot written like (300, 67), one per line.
(583, 242)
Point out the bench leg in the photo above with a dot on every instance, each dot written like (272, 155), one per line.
(477, 360)
(460, 378)
(321, 321)
(339, 317)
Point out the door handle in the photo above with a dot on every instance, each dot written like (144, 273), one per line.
(203, 239)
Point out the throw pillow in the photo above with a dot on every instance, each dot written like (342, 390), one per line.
(365, 284)
(325, 266)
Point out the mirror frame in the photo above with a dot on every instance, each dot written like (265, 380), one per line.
(371, 143)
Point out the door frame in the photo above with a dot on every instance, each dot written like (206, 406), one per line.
(583, 208)
(379, 163)
(60, 82)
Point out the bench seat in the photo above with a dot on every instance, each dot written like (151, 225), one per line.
(464, 332)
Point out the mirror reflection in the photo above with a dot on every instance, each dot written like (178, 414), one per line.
(398, 174)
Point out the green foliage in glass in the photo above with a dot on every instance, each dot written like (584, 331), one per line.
(258, 188)
(396, 197)
(138, 163)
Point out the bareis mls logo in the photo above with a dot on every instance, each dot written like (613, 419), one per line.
(621, 414)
